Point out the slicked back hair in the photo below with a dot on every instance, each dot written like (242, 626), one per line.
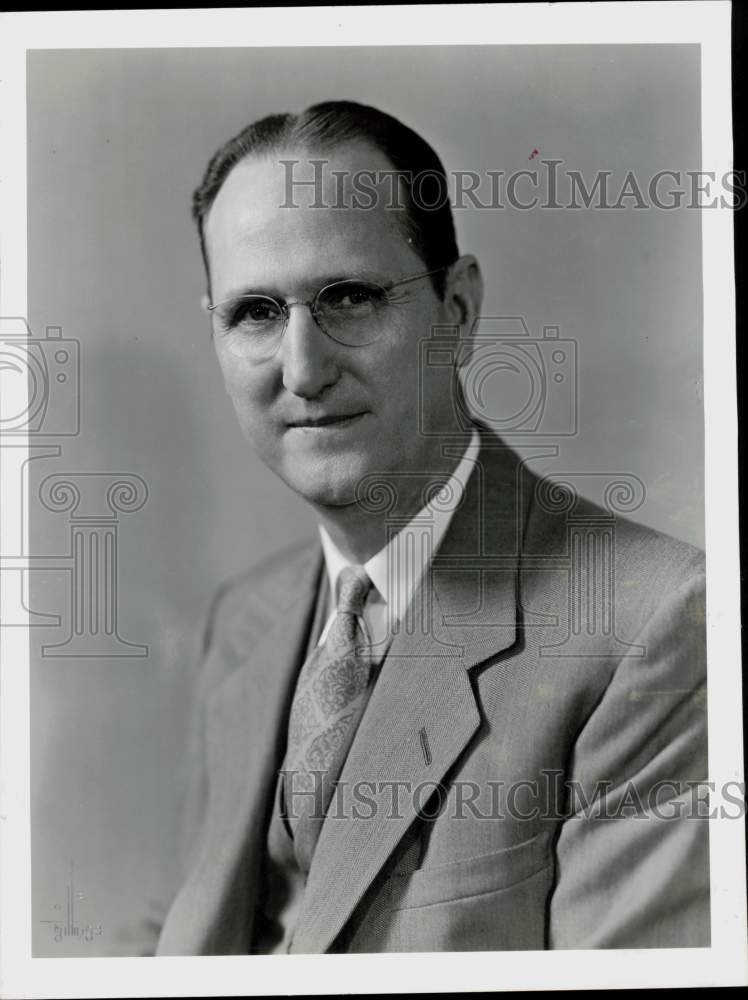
(430, 230)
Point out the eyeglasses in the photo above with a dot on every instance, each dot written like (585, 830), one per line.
(351, 312)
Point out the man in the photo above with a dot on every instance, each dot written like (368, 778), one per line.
(467, 716)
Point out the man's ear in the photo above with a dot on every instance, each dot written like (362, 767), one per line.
(463, 298)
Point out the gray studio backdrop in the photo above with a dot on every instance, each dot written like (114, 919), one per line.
(117, 140)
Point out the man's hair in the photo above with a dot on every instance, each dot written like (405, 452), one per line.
(430, 231)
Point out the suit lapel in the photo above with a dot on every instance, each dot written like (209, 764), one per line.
(422, 712)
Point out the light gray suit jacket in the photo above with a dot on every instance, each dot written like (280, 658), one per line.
(556, 664)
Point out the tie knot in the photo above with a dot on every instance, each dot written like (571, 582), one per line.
(354, 588)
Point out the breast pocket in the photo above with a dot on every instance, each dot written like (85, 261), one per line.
(491, 902)
(471, 876)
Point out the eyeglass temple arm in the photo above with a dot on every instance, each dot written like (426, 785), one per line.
(416, 277)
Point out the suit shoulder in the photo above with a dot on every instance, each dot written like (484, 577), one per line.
(648, 565)
(260, 586)
(278, 563)
(553, 508)
(248, 603)
(657, 551)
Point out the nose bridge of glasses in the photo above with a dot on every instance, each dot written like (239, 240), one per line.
(310, 304)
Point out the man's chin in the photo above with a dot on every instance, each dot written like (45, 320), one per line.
(326, 494)
(327, 484)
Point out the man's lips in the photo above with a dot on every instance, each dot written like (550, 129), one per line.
(327, 420)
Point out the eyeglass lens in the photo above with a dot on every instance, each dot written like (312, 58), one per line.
(347, 311)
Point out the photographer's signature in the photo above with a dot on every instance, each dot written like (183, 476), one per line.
(66, 926)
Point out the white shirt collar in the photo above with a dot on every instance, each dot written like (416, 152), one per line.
(396, 579)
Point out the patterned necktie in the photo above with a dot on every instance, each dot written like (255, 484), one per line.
(327, 705)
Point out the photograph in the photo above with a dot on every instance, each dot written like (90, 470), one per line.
(369, 543)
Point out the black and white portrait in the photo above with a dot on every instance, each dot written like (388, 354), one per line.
(366, 519)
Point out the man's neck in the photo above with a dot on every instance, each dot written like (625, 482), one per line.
(360, 530)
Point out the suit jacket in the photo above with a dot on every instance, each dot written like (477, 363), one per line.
(518, 780)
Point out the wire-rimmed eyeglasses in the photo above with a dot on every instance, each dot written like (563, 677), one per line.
(350, 312)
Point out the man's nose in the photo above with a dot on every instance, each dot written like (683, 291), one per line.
(306, 354)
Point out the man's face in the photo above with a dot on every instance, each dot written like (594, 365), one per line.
(320, 414)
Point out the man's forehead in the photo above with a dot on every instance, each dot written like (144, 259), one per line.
(354, 180)
(259, 211)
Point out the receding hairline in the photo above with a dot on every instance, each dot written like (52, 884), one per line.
(426, 223)
(294, 147)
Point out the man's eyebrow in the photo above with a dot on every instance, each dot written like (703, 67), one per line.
(314, 284)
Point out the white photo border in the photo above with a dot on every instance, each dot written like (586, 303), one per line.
(724, 963)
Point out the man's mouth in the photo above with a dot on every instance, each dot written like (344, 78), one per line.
(328, 420)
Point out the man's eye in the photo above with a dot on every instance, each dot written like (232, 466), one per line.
(354, 297)
(253, 311)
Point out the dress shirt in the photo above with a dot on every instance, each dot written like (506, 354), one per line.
(395, 576)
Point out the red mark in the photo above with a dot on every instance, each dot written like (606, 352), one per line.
(533, 154)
